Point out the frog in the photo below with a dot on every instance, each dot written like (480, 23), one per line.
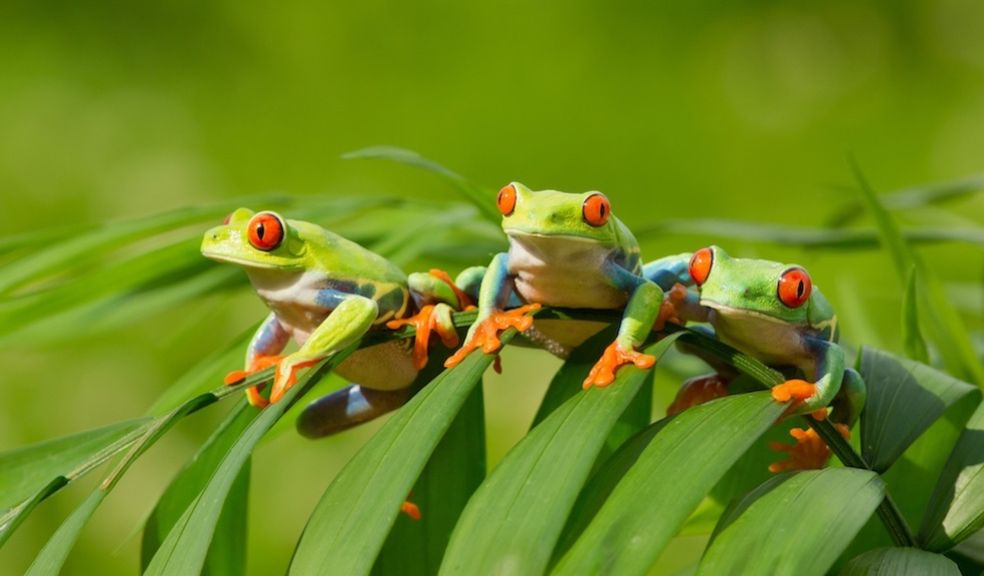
(776, 314)
(566, 250)
(326, 292)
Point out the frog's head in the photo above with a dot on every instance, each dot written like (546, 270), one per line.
(586, 216)
(257, 240)
(745, 287)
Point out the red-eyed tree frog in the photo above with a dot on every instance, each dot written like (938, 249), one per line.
(775, 313)
(326, 292)
(565, 250)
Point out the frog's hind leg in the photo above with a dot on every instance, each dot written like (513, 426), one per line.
(697, 391)
(348, 408)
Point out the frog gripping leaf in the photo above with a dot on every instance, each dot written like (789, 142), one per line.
(773, 312)
(325, 292)
(568, 251)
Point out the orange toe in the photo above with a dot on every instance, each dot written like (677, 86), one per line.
(424, 322)
(235, 377)
(697, 391)
(410, 509)
(603, 372)
(809, 452)
(487, 333)
(795, 390)
(260, 362)
(285, 383)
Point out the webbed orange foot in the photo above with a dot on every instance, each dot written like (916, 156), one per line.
(259, 363)
(697, 391)
(603, 372)
(809, 452)
(797, 391)
(425, 322)
(487, 332)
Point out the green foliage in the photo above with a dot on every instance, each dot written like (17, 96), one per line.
(594, 485)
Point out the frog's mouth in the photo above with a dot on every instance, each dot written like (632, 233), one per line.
(220, 256)
(530, 236)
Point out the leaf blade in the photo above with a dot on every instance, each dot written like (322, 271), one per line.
(665, 482)
(900, 562)
(373, 484)
(837, 501)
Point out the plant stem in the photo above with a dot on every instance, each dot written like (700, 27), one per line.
(888, 511)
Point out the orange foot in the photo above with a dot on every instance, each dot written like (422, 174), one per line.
(697, 391)
(809, 452)
(603, 372)
(260, 362)
(668, 310)
(425, 322)
(487, 333)
(797, 391)
(410, 509)
(285, 382)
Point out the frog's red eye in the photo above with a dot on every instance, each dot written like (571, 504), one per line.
(596, 210)
(700, 265)
(265, 231)
(506, 200)
(794, 287)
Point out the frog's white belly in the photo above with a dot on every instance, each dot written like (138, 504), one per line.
(563, 271)
(769, 340)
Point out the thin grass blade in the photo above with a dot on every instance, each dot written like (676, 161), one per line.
(186, 546)
(483, 199)
(912, 340)
(23, 471)
(943, 325)
(839, 239)
(54, 553)
(84, 247)
(192, 479)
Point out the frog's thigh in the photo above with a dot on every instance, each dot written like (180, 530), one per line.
(386, 366)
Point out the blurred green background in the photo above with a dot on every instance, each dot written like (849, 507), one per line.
(707, 109)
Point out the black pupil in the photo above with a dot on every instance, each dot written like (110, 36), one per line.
(800, 288)
(260, 231)
(601, 209)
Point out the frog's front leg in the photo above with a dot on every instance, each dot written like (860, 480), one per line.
(267, 343)
(496, 293)
(350, 319)
(436, 296)
(834, 385)
(637, 322)
(826, 365)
